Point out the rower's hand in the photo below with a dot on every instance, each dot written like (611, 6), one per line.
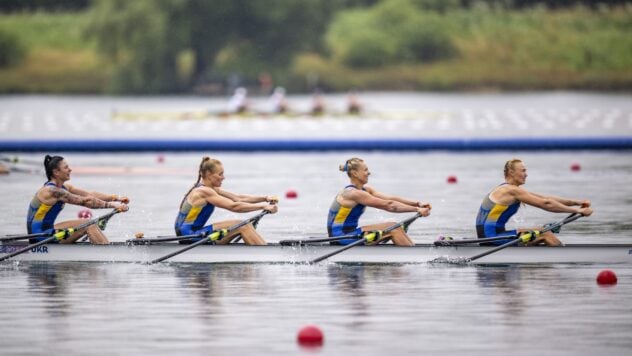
(119, 206)
(585, 204)
(271, 208)
(423, 211)
(585, 211)
(422, 204)
(272, 199)
(121, 198)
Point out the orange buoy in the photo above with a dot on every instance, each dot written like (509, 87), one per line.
(310, 335)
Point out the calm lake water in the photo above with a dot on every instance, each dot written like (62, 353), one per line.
(166, 309)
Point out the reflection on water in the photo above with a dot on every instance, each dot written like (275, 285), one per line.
(258, 309)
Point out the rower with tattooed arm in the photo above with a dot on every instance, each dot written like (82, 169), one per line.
(56, 192)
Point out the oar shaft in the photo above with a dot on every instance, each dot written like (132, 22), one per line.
(150, 241)
(317, 240)
(326, 256)
(23, 237)
(472, 241)
(179, 251)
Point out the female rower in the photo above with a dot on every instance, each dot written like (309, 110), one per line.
(504, 200)
(350, 203)
(200, 201)
(51, 198)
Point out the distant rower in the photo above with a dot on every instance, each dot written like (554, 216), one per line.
(52, 197)
(505, 200)
(349, 205)
(238, 103)
(200, 201)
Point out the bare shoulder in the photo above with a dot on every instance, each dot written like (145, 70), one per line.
(204, 191)
(505, 194)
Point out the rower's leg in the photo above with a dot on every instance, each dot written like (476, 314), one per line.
(95, 234)
(250, 235)
(547, 238)
(247, 232)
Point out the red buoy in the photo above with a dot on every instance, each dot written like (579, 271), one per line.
(291, 194)
(576, 167)
(310, 335)
(160, 159)
(606, 277)
(451, 180)
(84, 214)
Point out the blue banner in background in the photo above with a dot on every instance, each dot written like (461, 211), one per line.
(272, 145)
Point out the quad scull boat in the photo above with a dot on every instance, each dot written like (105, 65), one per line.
(275, 253)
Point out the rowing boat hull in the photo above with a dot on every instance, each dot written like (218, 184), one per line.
(274, 253)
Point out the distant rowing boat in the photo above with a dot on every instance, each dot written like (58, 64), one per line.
(274, 253)
(207, 115)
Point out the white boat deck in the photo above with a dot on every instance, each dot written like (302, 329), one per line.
(274, 253)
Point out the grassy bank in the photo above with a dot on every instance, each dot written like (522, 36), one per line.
(498, 49)
(59, 59)
(531, 49)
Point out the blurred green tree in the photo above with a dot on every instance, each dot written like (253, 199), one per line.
(12, 51)
(149, 41)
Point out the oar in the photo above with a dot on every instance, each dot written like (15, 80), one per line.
(62, 234)
(317, 240)
(568, 219)
(368, 236)
(472, 241)
(24, 237)
(16, 159)
(213, 236)
(149, 241)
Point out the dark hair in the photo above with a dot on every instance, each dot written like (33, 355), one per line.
(51, 163)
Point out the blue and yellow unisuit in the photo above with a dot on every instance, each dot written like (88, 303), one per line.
(191, 219)
(41, 217)
(492, 218)
(344, 221)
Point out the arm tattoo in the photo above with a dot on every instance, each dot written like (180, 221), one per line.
(87, 201)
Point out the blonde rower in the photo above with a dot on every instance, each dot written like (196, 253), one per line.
(200, 201)
(505, 200)
(350, 203)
